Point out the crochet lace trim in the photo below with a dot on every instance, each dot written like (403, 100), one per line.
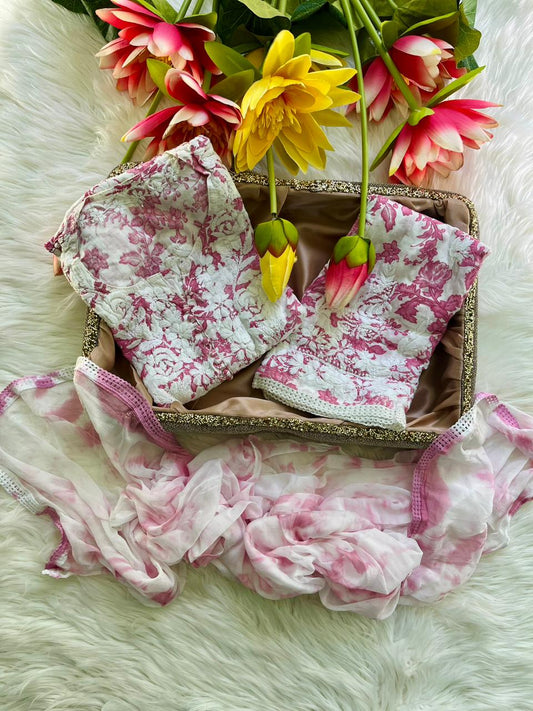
(369, 415)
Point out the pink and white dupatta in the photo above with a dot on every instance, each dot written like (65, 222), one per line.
(283, 517)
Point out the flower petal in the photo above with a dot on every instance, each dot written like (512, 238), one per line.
(376, 79)
(295, 68)
(147, 126)
(168, 40)
(328, 117)
(343, 283)
(112, 47)
(193, 115)
(417, 45)
(441, 129)
(279, 53)
(184, 87)
(226, 113)
(276, 272)
(133, 55)
(123, 18)
(284, 157)
(401, 146)
(135, 7)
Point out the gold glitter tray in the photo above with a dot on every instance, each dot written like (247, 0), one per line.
(423, 427)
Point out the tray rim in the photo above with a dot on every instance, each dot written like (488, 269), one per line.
(326, 432)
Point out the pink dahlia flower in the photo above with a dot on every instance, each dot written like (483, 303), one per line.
(198, 113)
(143, 34)
(425, 64)
(436, 144)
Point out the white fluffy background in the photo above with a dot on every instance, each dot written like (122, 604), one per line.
(85, 644)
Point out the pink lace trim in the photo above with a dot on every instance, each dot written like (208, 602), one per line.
(132, 399)
(440, 447)
(12, 391)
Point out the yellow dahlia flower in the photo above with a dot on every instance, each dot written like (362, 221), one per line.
(287, 106)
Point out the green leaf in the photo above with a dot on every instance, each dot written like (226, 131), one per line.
(227, 59)
(165, 10)
(387, 146)
(330, 50)
(262, 9)
(232, 16)
(384, 8)
(244, 38)
(390, 31)
(235, 86)
(415, 11)
(158, 71)
(302, 44)
(470, 9)
(247, 47)
(469, 63)
(468, 38)
(326, 22)
(292, 5)
(336, 11)
(307, 9)
(454, 86)
(445, 27)
(367, 50)
(269, 27)
(208, 20)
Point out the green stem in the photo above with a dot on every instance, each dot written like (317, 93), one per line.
(364, 117)
(183, 10)
(198, 7)
(129, 153)
(372, 14)
(272, 183)
(393, 5)
(385, 56)
(283, 6)
(152, 109)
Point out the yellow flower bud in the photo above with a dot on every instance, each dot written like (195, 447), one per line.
(276, 272)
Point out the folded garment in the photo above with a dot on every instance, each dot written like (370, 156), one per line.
(164, 253)
(283, 517)
(363, 363)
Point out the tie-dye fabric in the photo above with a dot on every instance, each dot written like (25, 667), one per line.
(284, 518)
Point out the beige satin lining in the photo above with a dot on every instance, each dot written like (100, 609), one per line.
(321, 219)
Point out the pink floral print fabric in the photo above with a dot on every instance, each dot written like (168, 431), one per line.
(363, 363)
(283, 517)
(164, 254)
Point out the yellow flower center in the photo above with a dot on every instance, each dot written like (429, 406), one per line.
(275, 116)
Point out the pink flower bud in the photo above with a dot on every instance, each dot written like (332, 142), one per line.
(352, 261)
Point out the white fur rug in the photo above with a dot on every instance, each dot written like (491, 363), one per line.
(85, 644)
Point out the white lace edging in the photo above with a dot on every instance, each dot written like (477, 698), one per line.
(12, 487)
(369, 415)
